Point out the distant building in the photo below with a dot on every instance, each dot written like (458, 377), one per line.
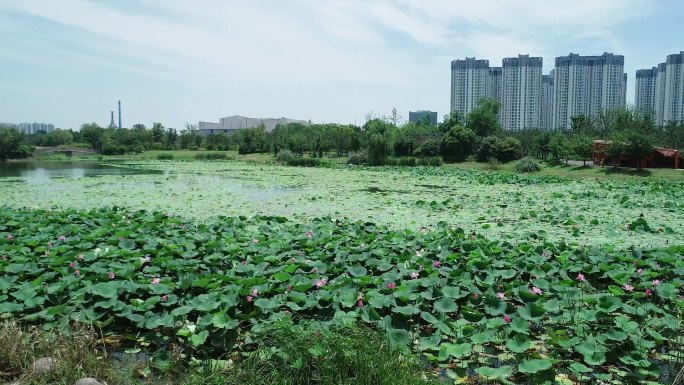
(645, 99)
(231, 124)
(32, 128)
(495, 84)
(469, 84)
(546, 104)
(418, 116)
(667, 84)
(521, 93)
(587, 85)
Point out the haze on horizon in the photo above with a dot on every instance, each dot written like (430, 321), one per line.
(67, 62)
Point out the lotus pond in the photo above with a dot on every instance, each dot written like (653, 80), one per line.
(644, 213)
(528, 312)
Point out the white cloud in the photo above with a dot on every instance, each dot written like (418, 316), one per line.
(370, 50)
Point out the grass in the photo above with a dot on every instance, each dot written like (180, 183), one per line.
(321, 354)
(283, 354)
(76, 355)
(580, 172)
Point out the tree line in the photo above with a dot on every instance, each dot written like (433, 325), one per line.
(477, 136)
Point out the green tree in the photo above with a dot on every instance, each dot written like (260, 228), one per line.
(639, 146)
(617, 148)
(380, 141)
(483, 119)
(458, 143)
(12, 144)
(559, 147)
(583, 147)
(94, 135)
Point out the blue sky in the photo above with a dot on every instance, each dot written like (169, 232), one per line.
(67, 62)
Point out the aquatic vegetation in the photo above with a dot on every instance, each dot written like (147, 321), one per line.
(474, 306)
(624, 213)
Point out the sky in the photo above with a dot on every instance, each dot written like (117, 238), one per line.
(67, 62)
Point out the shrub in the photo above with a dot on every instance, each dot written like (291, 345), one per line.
(504, 150)
(211, 156)
(429, 148)
(487, 148)
(430, 161)
(458, 143)
(406, 162)
(493, 164)
(358, 158)
(285, 156)
(527, 164)
(509, 149)
(308, 162)
(165, 156)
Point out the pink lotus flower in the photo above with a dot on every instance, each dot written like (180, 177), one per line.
(628, 287)
(155, 281)
(309, 234)
(537, 291)
(249, 298)
(10, 237)
(414, 275)
(580, 277)
(640, 271)
(289, 287)
(501, 295)
(391, 285)
(360, 303)
(321, 282)
(165, 298)
(476, 296)
(255, 292)
(649, 292)
(507, 319)
(62, 238)
(255, 240)
(437, 264)
(72, 265)
(244, 263)
(148, 258)
(546, 253)
(656, 282)
(112, 275)
(77, 273)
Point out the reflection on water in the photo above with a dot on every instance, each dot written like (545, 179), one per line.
(70, 169)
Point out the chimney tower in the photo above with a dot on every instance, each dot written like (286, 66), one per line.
(111, 123)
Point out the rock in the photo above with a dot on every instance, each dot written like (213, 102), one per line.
(88, 381)
(44, 365)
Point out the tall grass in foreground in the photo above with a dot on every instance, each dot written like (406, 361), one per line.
(311, 353)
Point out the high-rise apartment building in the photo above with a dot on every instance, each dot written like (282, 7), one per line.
(587, 85)
(469, 84)
(495, 83)
(521, 93)
(669, 90)
(645, 89)
(546, 102)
